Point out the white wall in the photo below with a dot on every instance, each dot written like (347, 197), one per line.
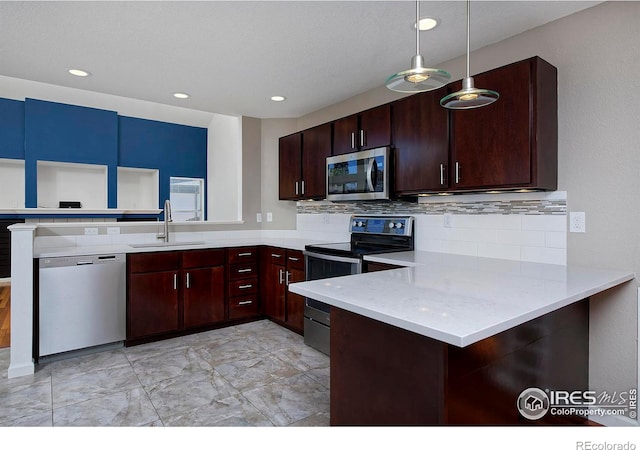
(224, 168)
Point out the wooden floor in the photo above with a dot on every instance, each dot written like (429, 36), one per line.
(5, 316)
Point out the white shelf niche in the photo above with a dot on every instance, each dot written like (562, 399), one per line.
(12, 182)
(138, 189)
(84, 183)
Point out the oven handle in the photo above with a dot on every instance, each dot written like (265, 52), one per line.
(343, 259)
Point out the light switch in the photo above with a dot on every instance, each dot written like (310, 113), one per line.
(269, 217)
(91, 231)
(113, 230)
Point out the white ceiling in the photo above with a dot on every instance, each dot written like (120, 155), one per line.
(232, 56)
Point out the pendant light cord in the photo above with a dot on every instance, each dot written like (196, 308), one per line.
(417, 27)
(468, 28)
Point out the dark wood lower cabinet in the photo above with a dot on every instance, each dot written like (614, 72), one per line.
(153, 304)
(204, 296)
(384, 375)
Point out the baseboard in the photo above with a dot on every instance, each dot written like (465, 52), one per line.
(614, 421)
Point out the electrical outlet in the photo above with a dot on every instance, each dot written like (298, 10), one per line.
(113, 230)
(259, 217)
(577, 222)
(269, 217)
(91, 231)
(448, 220)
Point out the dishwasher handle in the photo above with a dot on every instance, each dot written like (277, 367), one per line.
(89, 260)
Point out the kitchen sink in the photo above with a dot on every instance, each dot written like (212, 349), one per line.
(165, 244)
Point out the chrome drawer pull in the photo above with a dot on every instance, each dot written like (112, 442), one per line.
(291, 258)
(246, 302)
(245, 254)
(276, 256)
(244, 270)
(245, 286)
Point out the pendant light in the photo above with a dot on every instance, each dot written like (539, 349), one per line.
(418, 78)
(469, 96)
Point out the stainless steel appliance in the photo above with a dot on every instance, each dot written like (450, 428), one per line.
(369, 235)
(359, 176)
(81, 302)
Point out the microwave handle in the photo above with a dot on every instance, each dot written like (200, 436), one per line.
(372, 161)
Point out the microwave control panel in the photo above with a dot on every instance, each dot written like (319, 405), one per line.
(400, 226)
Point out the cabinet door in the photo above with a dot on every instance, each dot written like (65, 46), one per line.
(295, 302)
(152, 304)
(203, 296)
(375, 128)
(345, 133)
(421, 143)
(290, 166)
(491, 145)
(316, 147)
(275, 289)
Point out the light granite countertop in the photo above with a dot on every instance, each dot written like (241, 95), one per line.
(456, 299)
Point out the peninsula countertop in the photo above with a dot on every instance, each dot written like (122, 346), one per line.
(457, 299)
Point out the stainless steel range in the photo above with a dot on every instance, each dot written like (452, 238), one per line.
(369, 235)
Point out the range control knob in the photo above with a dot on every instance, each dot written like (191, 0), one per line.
(391, 224)
(399, 225)
(360, 223)
(355, 224)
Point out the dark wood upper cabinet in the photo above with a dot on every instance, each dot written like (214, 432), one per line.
(290, 166)
(362, 131)
(421, 143)
(511, 143)
(302, 163)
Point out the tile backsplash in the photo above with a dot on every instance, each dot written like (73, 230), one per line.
(524, 227)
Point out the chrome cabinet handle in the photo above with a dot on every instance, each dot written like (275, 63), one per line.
(457, 172)
(276, 255)
(175, 281)
(244, 270)
(296, 188)
(353, 140)
(245, 286)
(245, 302)
(280, 276)
(288, 275)
(361, 138)
(245, 254)
(188, 280)
(291, 258)
(441, 174)
(302, 187)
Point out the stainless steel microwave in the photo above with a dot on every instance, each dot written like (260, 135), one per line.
(359, 176)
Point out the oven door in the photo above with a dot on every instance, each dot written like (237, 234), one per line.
(317, 314)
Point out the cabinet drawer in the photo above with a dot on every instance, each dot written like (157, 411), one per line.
(202, 258)
(153, 262)
(242, 287)
(241, 271)
(295, 259)
(241, 255)
(241, 307)
(276, 256)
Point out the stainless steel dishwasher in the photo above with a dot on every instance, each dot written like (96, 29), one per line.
(81, 302)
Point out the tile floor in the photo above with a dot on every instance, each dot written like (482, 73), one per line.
(254, 374)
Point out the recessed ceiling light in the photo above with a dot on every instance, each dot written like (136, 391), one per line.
(278, 98)
(181, 95)
(426, 24)
(79, 73)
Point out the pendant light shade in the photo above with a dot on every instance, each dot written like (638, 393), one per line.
(418, 78)
(469, 96)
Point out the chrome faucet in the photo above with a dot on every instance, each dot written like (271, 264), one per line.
(167, 218)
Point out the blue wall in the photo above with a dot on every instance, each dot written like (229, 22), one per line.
(175, 150)
(11, 129)
(37, 130)
(67, 133)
